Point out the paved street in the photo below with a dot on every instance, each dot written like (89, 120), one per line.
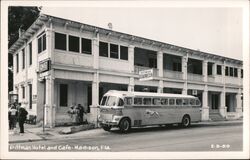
(199, 137)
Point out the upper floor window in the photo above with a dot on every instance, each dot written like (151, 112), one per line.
(60, 41)
(42, 43)
(123, 53)
(241, 71)
(209, 68)
(23, 51)
(114, 51)
(86, 46)
(17, 62)
(30, 53)
(219, 69)
(73, 44)
(235, 72)
(103, 49)
(231, 71)
(226, 71)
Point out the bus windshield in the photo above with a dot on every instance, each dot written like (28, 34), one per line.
(111, 101)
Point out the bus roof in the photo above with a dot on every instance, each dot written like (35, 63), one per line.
(145, 94)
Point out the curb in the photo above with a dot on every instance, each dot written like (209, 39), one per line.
(27, 140)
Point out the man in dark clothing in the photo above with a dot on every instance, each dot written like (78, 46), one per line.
(22, 115)
(81, 111)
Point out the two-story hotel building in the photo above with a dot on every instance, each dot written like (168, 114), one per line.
(58, 62)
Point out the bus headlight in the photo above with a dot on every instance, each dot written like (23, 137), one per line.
(116, 118)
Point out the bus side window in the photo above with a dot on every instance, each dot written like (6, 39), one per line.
(137, 101)
(128, 101)
(197, 102)
(147, 101)
(120, 102)
(185, 102)
(179, 102)
(171, 101)
(164, 101)
(192, 102)
(156, 101)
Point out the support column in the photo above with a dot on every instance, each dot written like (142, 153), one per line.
(205, 108)
(49, 105)
(131, 58)
(95, 51)
(184, 71)
(160, 87)
(131, 84)
(160, 63)
(223, 108)
(239, 104)
(94, 110)
(204, 70)
(239, 76)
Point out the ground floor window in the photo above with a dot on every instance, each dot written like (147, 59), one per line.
(63, 95)
(30, 96)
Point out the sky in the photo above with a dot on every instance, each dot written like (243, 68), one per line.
(213, 30)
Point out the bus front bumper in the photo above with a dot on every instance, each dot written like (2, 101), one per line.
(114, 122)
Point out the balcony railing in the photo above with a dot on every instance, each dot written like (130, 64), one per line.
(194, 77)
(211, 79)
(172, 74)
(141, 68)
(232, 80)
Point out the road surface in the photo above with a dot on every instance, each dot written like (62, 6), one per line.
(199, 137)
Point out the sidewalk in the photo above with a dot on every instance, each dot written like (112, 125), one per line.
(35, 133)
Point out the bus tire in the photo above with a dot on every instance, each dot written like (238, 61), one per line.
(124, 125)
(186, 121)
(106, 128)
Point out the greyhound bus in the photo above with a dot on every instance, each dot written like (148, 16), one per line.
(137, 109)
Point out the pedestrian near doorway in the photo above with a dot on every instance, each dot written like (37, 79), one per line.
(22, 115)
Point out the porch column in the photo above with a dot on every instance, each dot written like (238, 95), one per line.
(160, 87)
(205, 108)
(131, 58)
(204, 70)
(160, 63)
(95, 99)
(223, 108)
(184, 71)
(95, 51)
(49, 103)
(239, 104)
(131, 84)
(239, 76)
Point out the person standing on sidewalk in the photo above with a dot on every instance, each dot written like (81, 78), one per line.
(22, 115)
(13, 116)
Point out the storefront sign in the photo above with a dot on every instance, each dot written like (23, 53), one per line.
(44, 66)
(146, 75)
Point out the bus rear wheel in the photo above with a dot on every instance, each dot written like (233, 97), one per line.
(186, 121)
(106, 128)
(124, 125)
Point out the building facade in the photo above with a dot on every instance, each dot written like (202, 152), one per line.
(58, 62)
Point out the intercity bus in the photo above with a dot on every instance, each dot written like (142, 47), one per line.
(137, 109)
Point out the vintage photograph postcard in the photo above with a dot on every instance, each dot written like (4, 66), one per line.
(125, 79)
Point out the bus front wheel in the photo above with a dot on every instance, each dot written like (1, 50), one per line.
(124, 125)
(186, 121)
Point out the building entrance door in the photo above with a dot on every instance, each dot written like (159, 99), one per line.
(214, 103)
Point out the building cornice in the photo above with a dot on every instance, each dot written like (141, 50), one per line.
(43, 19)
